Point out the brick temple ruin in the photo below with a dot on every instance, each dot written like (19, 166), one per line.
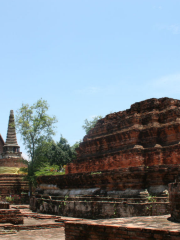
(127, 159)
(11, 161)
(147, 134)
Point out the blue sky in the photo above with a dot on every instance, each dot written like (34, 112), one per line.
(87, 58)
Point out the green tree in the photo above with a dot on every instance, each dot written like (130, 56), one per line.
(90, 124)
(54, 153)
(35, 126)
(42, 153)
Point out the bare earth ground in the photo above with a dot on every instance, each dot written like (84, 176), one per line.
(53, 234)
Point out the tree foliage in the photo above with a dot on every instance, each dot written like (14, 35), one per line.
(37, 128)
(88, 125)
(59, 153)
(34, 125)
(48, 169)
(53, 153)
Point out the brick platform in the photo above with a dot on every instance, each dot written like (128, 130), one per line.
(136, 228)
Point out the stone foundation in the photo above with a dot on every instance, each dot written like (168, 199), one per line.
(98, 209)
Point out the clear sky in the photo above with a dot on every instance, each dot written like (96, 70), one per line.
(87, 57)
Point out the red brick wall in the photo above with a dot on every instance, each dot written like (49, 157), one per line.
(121, 179)
(146, 137)
(127, 158)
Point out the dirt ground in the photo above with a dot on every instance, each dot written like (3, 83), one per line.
(49, 234)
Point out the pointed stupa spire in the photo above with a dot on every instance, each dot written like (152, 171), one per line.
(11, 139)
(11, 148)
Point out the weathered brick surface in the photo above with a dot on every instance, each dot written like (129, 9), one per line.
(97, 209)
(13, 162)
(128, 158)
(12, 184)
(92, 231)
(174, 198)
(4, 205)
(11, 216)
(96, 198)
(121, 179)
(146, 134)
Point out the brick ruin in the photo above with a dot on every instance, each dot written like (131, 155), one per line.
(8, 215)
(147, 134)
(11, 180)
(133, 154)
